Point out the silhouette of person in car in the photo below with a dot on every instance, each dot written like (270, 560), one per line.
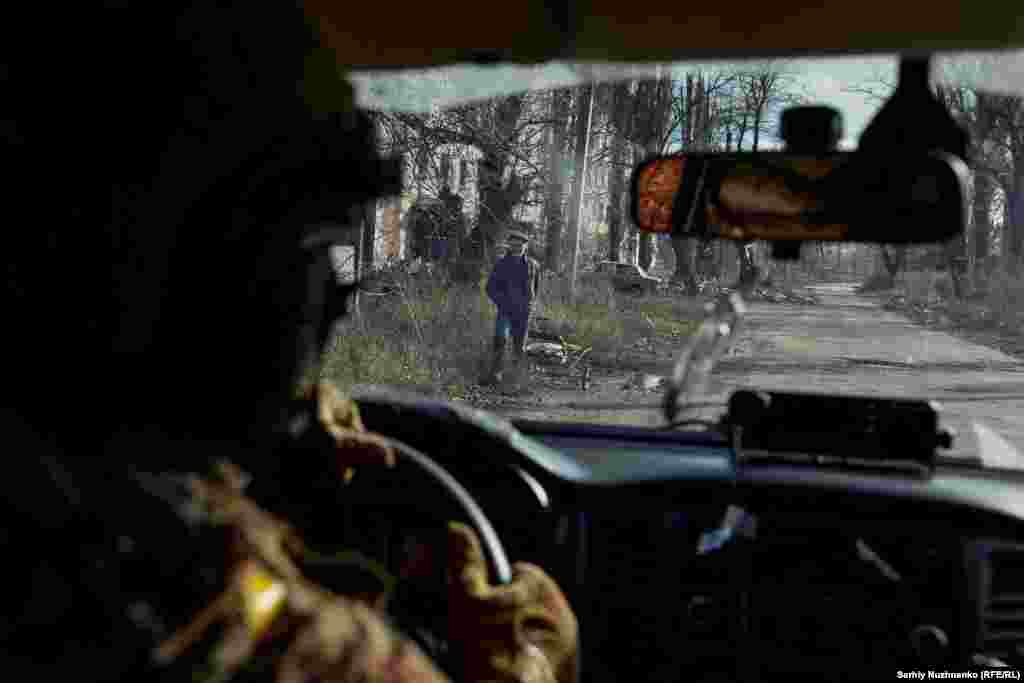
(190, 220)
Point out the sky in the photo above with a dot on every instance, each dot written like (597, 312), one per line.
(829, 82)
(824, 81)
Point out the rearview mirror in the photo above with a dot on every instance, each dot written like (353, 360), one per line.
(779, 196)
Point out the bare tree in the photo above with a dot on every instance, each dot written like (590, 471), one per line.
(764, 90)
(508, 136)
(622, 122)
(998, 152)
(555, 195)
(521, 150)
(584, 113)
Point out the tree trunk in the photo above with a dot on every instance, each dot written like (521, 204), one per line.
(893, 258)
(445, 171)
(954, 252)
(645, 242)
(1014, 228)
(463, 187)
(621, 126)
(616, 190)
(369, 236)
(666, 255)
(422, 163)
(981, 220)
(584, 111)
(746, 256)
(684, 252)
(499, 198)
(555, 195)
(645, 250)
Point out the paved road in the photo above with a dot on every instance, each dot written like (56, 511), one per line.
(847, 345)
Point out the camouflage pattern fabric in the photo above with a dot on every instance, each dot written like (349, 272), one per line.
(524, 632)
(269, 606)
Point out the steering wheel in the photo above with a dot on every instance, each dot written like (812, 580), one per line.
(494, 551)
(417, 606)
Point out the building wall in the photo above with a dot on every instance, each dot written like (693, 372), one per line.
(390, 244)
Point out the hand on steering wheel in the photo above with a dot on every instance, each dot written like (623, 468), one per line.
(522, 631)
(339, 417)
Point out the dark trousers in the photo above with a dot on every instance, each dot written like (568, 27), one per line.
(511, 324)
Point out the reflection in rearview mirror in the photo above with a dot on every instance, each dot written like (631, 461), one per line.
(843, 196)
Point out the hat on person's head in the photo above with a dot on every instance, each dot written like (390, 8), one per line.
(517, 235)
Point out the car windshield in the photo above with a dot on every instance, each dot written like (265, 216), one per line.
(547, 152)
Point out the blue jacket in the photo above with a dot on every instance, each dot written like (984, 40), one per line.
(514, 283)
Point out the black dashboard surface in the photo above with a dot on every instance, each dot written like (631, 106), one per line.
(615, 456)
(588, 458)
(844, 567)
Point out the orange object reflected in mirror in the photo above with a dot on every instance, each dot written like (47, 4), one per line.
(656, 187)
(840, 196)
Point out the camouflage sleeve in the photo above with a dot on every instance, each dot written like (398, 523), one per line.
(349, 642)
(523, 632)
(272, 616)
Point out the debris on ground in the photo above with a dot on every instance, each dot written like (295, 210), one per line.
(645, 382)
(546, 329)
(557, 365)
(775, 295)
(549, 352)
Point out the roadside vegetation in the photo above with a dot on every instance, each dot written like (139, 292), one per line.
(992, 302)
(425, 333)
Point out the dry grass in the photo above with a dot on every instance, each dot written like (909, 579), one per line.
(592, 320)
(436, 335)
(996, 299)
(430, 335)
(672, 317)
(1003, 295)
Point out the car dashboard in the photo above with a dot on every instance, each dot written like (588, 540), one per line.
(681, 565)
(856, 575)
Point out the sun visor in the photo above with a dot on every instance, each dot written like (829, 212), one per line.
(367, 36)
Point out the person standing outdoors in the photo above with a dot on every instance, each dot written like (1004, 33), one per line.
(513, 288)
